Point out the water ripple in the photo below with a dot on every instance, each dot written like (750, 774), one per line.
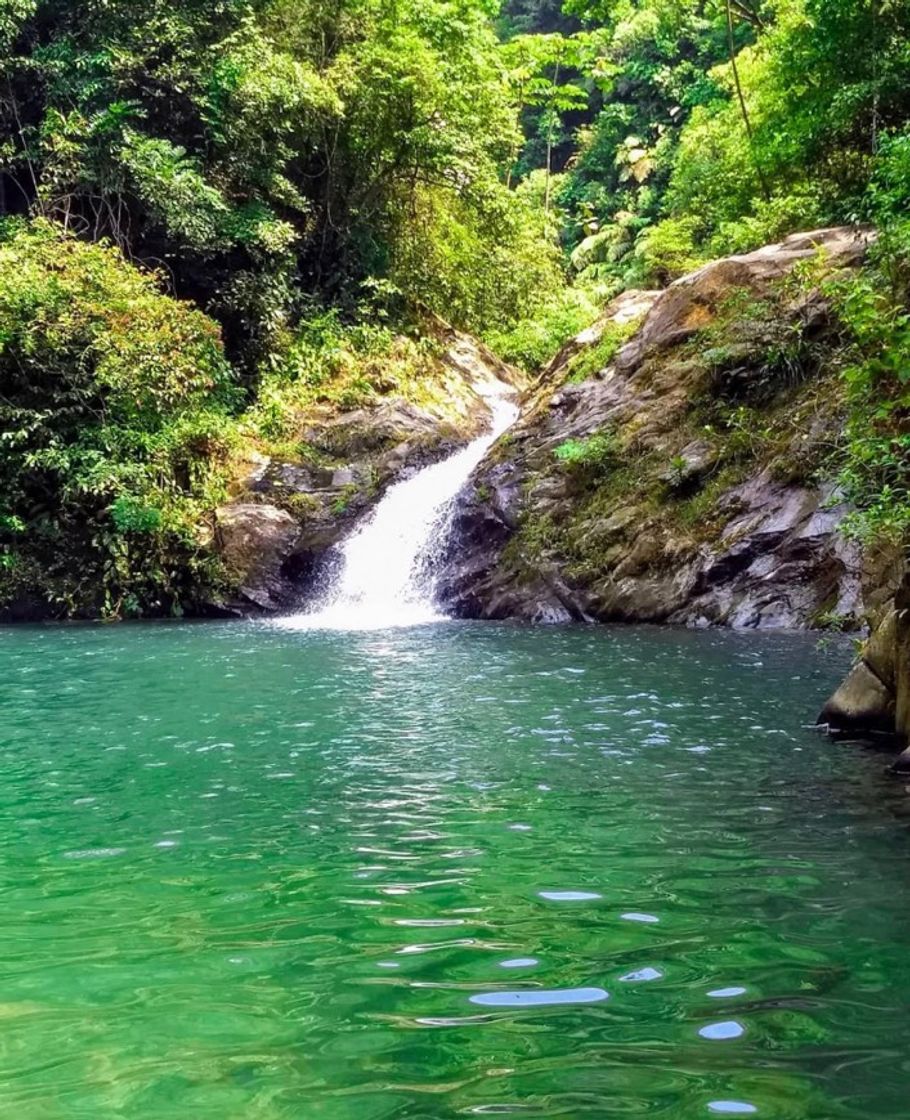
(270, 873)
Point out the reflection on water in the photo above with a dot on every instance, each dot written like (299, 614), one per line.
(265, 874)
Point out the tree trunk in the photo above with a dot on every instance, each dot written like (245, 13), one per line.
(731, 44)
(550, 129)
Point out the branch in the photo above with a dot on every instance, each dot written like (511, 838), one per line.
(748, 14)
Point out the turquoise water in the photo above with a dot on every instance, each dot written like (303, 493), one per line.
(251, 874)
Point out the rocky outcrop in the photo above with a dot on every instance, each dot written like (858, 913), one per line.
(677, 480)
(255, 540)
(276, 535)
(691, 304)
(874, 700)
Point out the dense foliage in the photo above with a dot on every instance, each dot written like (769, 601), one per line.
(711, 126)
(705, 127)
(265, 150)
(267, 160)
(206, 202)
(114, 407)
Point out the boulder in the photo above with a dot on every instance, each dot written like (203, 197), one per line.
(880, 653)
(875, 697)
(692, 302)
(862, 704)
(255, 540)
(367, 431)
(902, 658)
(690, 465)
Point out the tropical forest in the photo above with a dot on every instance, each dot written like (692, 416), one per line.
(454, 558)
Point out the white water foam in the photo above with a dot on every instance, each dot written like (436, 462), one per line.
(388, 567)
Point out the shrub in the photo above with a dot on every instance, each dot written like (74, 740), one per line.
(592, 359)
(665, 252)
(799, 208)
(593, 454)
(532, 341)
(327, 364)
(875, 463)
(115, 417)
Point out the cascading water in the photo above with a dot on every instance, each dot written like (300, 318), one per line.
(388, 564)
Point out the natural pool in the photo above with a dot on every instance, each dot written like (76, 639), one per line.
(252, 874)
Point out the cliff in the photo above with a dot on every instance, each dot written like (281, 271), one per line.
(670, 463)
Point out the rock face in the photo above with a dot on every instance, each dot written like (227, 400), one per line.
(673, 478)
(276, 536)
(691, 304)
(875, 697)
(255, 540)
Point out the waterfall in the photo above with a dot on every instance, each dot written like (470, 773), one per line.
(387, 574)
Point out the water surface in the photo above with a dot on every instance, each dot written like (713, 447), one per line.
(256, 874)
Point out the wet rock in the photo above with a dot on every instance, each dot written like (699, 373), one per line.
(901, 764)
(861, 704)
(875, 697)
(255, 540)
(902, 661)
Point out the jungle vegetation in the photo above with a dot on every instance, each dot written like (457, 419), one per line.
(207, 204)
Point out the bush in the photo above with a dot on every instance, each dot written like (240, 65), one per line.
(800, 208)
(327, 365)
(665, 252)
(875, 464)
(532, 341)
(593, 454)
(115, 418)
(592, 359)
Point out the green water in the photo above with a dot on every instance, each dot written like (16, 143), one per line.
(251, 874)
